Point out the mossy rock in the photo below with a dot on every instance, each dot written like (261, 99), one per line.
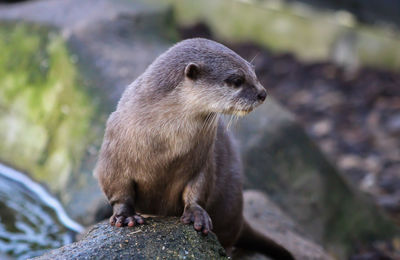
(159, 238)
(45, 112)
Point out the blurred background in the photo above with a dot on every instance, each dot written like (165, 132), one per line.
(325, 148)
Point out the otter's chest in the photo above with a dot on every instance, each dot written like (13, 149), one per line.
(164, 175)
(162, 194)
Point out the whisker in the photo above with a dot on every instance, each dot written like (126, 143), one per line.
(205, 123)
(236, 119)
(208, 122)
(251, 62)
(229, 122)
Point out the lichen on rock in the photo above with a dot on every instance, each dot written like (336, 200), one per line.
(159, 238)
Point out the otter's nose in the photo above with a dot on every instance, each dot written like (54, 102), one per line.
(262, 95)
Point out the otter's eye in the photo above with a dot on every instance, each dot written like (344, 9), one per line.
(235, 81)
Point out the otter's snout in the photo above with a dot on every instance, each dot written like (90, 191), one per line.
(262, 95)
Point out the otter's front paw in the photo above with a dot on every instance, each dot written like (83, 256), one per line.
(124, 216)
(130, 221)
(199, 217)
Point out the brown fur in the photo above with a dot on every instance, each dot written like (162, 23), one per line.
(166, 151)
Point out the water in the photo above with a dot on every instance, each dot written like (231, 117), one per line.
(31, 220)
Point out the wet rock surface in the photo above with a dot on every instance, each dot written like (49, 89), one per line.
(163, 238)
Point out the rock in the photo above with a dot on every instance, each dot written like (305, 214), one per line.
(266, 217)
(114, 47)
(168, 238)
(46, 113)
(282, 26)
(280, 160)
(104, 51)
(114, 50)
(164, 238)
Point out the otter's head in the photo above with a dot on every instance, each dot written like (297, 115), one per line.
(217, 80)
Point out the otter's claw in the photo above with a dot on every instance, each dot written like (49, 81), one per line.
(122, 220)
(199, 217)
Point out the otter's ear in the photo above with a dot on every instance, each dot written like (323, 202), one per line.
(192, 71)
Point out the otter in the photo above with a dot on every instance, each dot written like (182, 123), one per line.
(167, 152)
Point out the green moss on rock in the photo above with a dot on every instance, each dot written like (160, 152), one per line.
(45, 113)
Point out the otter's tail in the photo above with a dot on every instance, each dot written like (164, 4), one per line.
(255, 241)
